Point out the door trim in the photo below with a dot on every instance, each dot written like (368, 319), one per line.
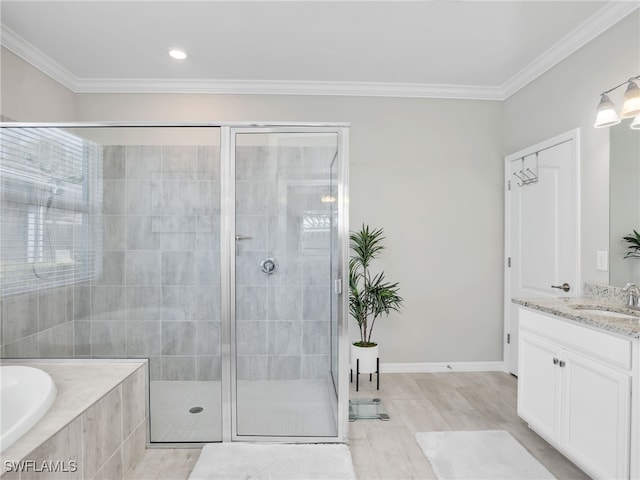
(570, 136)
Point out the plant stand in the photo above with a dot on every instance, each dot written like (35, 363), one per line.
(377, 372)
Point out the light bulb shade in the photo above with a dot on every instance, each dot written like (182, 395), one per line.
(636, 123)
(631, 101)
(607, 115)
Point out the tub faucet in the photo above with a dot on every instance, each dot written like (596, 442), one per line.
(633, 300)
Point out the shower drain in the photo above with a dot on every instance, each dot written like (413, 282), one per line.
(195, 409)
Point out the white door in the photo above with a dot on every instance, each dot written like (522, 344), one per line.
(541, 228)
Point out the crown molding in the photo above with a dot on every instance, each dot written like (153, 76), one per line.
(265, 87)
(605, 18)
(36, 58)
(595, 25)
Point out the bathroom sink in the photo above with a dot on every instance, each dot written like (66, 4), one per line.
(608, 313)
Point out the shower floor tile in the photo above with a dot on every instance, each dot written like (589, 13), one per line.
(171, 420)
(264, 408)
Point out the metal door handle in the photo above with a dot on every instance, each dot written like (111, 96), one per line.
(555, 361)
(238, 238)
(561, 363)
(565, 286)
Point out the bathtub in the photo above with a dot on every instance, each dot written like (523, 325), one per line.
(26, 393)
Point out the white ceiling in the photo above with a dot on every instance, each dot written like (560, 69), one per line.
(441, 48)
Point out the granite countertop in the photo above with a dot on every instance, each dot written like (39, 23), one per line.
(573, 308)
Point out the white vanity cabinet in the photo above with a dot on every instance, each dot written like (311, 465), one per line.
(574, 389)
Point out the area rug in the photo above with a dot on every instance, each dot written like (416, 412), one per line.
(257, 461)
(491, 454)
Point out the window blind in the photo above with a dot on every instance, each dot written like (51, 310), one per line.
(50, 211)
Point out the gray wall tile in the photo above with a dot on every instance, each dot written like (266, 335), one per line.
(64, 446)
(113, 162)
(137, 199)
(102, 431)
(208, 338)
(114, 197)
(284, 338)
(179, 338)
(144, 302)
(284, 302)
(133, 447)
(179, 368)
(316, 337)
(19, 317)
(251, 303)
(142, 161)
(284, 367)
(56, 342)
(113, 268)
(143, 267)
(113, 232)
(209, 369)
(144, 338)
(139, 234)
(252, 367)
(251, 338)
(108, 302)
(108, 338)
(133, 402)
(316, 303)
(52, 308)
(315, 366)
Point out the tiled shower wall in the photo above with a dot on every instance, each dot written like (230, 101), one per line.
(159, 294)
(283, 325)
(38, 324)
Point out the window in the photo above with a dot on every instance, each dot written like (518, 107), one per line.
(50, 213)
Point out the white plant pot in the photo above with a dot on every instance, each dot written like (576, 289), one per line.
(368, 357)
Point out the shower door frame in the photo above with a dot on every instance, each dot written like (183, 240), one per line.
(227, 252)
(227, 274)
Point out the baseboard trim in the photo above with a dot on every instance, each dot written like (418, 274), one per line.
(435, 367)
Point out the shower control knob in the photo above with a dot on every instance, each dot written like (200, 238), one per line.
(269, 266)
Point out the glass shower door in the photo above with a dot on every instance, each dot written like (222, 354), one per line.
(284, 240)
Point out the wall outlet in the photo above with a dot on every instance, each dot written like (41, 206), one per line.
(602, 260)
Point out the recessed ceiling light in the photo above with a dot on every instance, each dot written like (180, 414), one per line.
(178, 54)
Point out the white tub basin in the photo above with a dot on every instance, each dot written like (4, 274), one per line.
(26, 394)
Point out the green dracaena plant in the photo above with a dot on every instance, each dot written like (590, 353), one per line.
(634, 247)
(370, 295)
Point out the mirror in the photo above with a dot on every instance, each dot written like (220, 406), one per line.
(624, 201)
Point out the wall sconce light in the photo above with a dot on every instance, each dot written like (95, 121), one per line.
(606, 113)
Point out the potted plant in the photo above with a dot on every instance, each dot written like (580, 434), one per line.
(634, 247)
(370, 295)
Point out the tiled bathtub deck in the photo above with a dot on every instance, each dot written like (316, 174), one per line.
(96, 427)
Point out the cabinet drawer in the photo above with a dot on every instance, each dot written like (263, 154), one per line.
(604, 346)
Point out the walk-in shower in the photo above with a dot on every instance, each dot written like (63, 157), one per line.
(215, 251)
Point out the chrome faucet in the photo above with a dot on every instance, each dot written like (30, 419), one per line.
(633, 300)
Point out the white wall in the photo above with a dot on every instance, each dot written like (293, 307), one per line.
(566, 97)
(27, 94)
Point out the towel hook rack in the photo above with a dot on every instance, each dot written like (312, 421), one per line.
(527, 176)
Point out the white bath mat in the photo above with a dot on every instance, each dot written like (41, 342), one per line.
(491, 454)
(253, 461)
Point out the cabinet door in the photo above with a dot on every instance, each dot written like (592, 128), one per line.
(596, 416)
(539, 384)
